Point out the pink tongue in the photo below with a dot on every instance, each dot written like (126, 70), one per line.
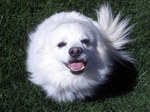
(76, 65)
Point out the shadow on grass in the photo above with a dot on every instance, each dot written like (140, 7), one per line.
(122, 81)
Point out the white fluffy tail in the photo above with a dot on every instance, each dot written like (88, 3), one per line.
(116, 30)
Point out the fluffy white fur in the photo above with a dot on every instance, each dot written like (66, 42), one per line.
(45, 60)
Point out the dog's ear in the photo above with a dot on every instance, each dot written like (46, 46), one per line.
(38, 42)
(116, 30)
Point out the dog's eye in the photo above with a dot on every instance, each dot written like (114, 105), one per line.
(61, 44)
(85, 41)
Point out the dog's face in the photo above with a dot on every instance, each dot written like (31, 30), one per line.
(74, 46)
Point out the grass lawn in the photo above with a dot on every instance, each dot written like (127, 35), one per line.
(19, 17)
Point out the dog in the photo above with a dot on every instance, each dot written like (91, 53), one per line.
(69, 54)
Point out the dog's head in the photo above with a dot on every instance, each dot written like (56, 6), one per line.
(71, 42)
(74, 45)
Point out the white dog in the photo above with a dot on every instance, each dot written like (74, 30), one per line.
(69, 54)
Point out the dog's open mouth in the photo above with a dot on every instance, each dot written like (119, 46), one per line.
(76, 66)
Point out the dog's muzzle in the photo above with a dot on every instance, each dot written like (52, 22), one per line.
(76, 65)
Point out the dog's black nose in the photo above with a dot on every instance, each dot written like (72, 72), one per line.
(75, 51)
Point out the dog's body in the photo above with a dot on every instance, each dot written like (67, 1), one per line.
(69, 54)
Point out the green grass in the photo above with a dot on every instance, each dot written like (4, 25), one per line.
(19, 17)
